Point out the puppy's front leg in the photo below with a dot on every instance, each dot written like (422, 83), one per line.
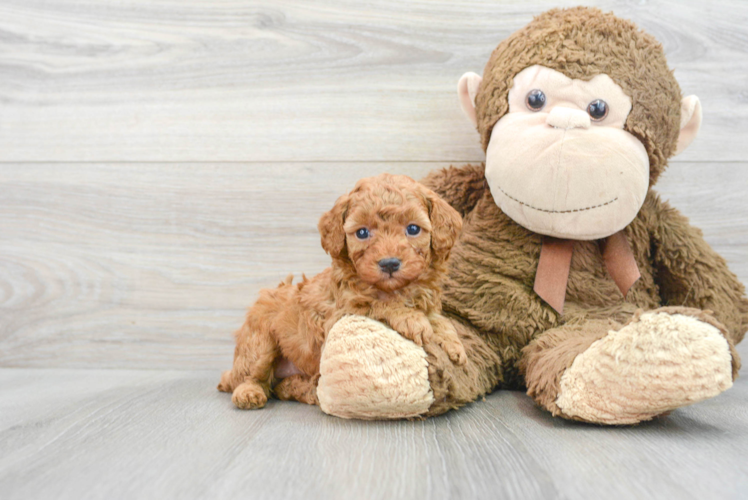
(413, 325)
(446, 336)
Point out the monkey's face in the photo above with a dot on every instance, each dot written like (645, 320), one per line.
(574, 111)
(560, 162)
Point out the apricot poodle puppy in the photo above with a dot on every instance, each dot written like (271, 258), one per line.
(389, 240)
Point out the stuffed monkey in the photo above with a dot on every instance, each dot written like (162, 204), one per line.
(571, 277)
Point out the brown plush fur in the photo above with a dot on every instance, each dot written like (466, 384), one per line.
(292, 320)
(514, 339)
(492, 271)
(546, 359)
(453, 385)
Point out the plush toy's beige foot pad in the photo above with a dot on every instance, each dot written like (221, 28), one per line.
(369, 371)
(655, 364)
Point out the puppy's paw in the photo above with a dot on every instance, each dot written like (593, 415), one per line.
(448, 339)
(249, 396)
(416, 337)
(419, 334)
(414, 328)
(455, 350)
(286, 389)
(422, 331)
(297, 388)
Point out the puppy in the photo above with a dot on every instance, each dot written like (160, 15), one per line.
(389, 240)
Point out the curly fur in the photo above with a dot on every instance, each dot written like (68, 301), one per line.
(291, 321)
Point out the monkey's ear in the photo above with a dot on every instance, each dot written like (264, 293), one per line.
(331, 227)
(690, 122)
(467, 89)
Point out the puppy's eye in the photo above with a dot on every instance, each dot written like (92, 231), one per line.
(413, 230)
(362, 233)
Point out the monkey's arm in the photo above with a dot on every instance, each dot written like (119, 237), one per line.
(460, 187)
(690, 273)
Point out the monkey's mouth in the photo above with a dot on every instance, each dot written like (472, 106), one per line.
(545, 210)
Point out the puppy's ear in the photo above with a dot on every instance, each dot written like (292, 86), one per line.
(331, 227)
(446, 225)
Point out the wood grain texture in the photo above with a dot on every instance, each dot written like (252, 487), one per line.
(305, 81)
(78, 434)
(160, 162)
(144, 265)
(152, 265)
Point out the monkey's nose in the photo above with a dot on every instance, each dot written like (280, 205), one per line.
(567, 118)
(389, 265)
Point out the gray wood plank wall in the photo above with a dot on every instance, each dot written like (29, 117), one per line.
(160, 162)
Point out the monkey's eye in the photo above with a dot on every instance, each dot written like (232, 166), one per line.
(362, 233)
(598, 109)
(535, 100)
(413, 230)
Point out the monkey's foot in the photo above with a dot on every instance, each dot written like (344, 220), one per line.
(369, 371)
(660, 361)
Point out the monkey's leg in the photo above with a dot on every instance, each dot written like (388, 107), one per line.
(455, 385)
(369, 371)
(606, 373)
(300, 388)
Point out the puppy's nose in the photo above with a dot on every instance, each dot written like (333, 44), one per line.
(389, 265)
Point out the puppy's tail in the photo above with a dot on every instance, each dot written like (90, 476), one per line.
(226, 383)
(230, 379)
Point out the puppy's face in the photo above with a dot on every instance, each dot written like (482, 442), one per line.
(391, 229)
(389, 244)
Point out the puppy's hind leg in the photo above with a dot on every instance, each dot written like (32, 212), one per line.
(251, 376)
(230, 379)
(300, 388)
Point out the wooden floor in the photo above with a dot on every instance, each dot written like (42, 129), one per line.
(73, 434)
(160, 162)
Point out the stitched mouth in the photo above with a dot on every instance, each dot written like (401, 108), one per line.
(557, 211)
